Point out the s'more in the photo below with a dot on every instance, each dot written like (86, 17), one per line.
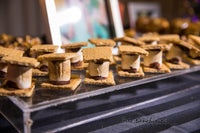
(19, 80)
(130, 64)
(98, 68)
(59, 66)
(77, 61)
(153, 63)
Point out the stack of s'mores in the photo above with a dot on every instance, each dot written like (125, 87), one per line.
(146, 50)
(151, 53)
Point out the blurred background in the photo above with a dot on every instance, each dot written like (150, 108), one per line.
(24, 17)
(21, 17)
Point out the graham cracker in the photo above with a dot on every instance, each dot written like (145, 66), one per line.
(108, 81)
(117, 58)
(102, 42)
(18, 92)
(169, 37)
(37, 72)
(195, 49)
(112, 62)
(74, 82)
(182, 65)
(163, 69)
(44, 48)
(82, 67)
(127, 49)
(126, 43)
(193, 61)
(122, 73)
(23, 61)
(129, 40)
(157, 46)
(10, 52)
(130, 32)
(150, 34)
(149, 38)
(56, 56)
(97, 53)
(182, 43)
(196, 39)
(74, 45)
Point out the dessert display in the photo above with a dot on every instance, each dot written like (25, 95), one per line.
(153, 62)
(185, 26)
(130, 32)
(7, 52)
(104, 43)
(193, 56)
(138, 57)
(142, 24)
(19, 43)
(130, 64)
(36, 51)
(175, 54)
(19, 80)
(98, 72)
(181, 26)
(147, 24)
(160, 25)
(59, 66)
(77, 61)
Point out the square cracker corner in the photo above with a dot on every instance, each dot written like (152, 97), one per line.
(164, 69)
(74, 82)
(18, 92)
(108, 81)
(193, 61)
(182, 65)
(122, 73)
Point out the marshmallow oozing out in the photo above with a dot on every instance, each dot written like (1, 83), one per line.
(130, 61)
(154, 56)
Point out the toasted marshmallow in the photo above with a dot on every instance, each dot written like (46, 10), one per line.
(77, 58)
(154, 56)
(98, 69)
(21, 75)
(59, 70)
(154, 43)
(130, 61)
(174, 52)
